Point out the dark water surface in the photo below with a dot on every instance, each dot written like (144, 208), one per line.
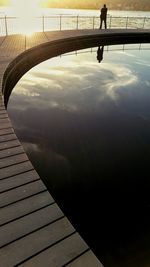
(85, 126)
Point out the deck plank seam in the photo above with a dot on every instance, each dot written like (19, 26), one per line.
(2, 113)
(3, 40)
(6, 128)
(47, 247)
(28, 213)
(17, 174)
(14, 202)
(11, 132)
(22, 161)
(33, 231)
(5, 117)
(46, 36)
(2, 149)
(8, 156)
(5, 191)
(4, 141)
(75, 258)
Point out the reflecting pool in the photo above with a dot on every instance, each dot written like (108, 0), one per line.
(84, 121)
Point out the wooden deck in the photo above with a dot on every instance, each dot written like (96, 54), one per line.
(34, 231)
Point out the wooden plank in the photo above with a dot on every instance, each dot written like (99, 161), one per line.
(15, 169)
(2, 39)
(3, 116)
(37, 38)
(23, 207)
(28, 246)
(4, 121)
(5, 125)
(7, 137)
(6, 131)
(12, 46)
(29, 223)
(21, 192)
(13, 160)
(59, 254)
(88, 259)
(2, 107)
(8, 144)
(11, 152)
(3, 112)
(18, 180)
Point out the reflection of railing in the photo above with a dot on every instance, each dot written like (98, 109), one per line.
(107, 48)
(11, 25)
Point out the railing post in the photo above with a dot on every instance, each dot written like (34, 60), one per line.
(127, 23)
(6, 28)
(60, 23)
(93, 23)
(110, 22)
(144, 22)
(43, 23)
(77, 21)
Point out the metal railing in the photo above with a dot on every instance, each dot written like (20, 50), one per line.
(13, 25)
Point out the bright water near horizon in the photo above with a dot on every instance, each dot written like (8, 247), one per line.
(86, 12)
(26, 23)
(84, 121)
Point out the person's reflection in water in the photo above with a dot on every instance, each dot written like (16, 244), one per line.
(100, 51)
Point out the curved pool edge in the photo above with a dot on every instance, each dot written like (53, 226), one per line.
(35, 55)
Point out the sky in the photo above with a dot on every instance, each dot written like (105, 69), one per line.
(88, 4)
(18, 2)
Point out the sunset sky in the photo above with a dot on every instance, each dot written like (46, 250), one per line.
(86, 4)
(46, 3)
(52, 3)
(18, 2)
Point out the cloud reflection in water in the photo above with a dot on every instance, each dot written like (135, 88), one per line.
(72, 84)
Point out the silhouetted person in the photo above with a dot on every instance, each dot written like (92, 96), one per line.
(103, 16)
(100, 51)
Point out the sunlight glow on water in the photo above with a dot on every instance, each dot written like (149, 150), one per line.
(31, 18)
(26, 11)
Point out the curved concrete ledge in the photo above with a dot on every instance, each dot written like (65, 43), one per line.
(28, 59)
